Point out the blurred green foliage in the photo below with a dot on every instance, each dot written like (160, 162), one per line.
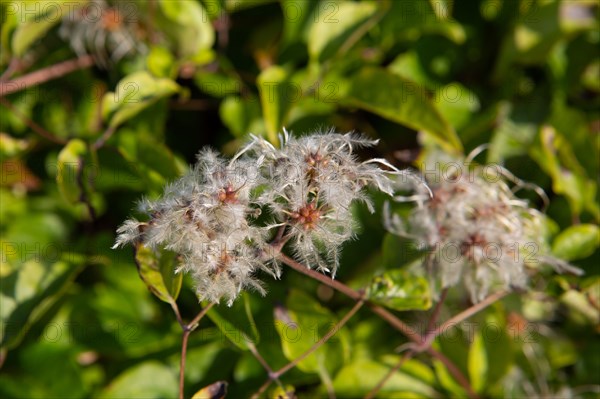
(79, 149)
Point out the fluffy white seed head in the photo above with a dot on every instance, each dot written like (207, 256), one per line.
(475, 231)
(306, 188)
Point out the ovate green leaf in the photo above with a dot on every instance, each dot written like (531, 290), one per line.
(157, 270)
(400, 290)
(577, 242)
(402, 101)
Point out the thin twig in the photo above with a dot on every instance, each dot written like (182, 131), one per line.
(177, 314)
(31, 124)
(184, 343)
(105, 136)
(384, 314)
(12, 67)
(344, 289)
(275, 375)
(260, 359)
(187, 330)
(262, 388)
(320, 342)
(455, 371)
(45, 74)
(410, 353)
(436, 311)
(404, 358)
(469, 312)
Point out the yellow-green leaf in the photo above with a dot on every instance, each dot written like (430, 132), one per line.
(276, 96)
(70, 170)
(478, 363)
(333, 24)
(399, 290)
(134, 93)
(157, 270)
(577, 242)
(392, 97)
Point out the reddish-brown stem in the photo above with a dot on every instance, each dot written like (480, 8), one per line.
(436, 311)
(384, 314)
(468, 313)
(262, 388)
(187, 330)
(344, 289)
(455, 371)
(274, 375)
(390, 373)
(184, 343)
(321, 341)
(45, 74)
(105, 136)
(409, 354)
(260, 359)
(31, 124)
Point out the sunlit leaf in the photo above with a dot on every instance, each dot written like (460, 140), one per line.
(401, 101)
(188, 24)
(361, 376)
(276, 98)
(71, 169)
(400, 290)
(334, 24)
(478, 362)
(300, 325)
(157, 270)
(576, 242)
(134, 93)
(149, 379)
(27, 293)
(36, 21)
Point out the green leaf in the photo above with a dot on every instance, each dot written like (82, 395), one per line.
(188, 25)
(239, 114)
(456, 104)
(478, 362)
(216, 390)
(236, 322)
(276, 96)
(577, 242)
(54, 364)
(498, 341)
(533, 36)
(360, 376)
(298, 14)
(157, 270)
(161, 63)
(399, 100)
(217, 84)
(27, 293)
(71, 171)
(447, 380)
(334, 23)
(555, 156)
(410, 20)
(134, 93)
(400, 290)
(37, 19)
(153, 160)
(149, 379)
(300, 325)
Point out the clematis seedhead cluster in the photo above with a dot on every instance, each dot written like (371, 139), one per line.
(474, 229)
(227, 218)
(107, 31)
